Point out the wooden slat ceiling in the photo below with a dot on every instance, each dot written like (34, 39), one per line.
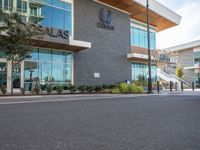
(138, 12)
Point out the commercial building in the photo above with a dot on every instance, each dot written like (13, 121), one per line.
(107, 41)
(188, 56)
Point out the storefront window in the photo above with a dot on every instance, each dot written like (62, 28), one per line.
(51, 67)
(3, 74)
(8, 4)
(197, 57)
(21, 6)
(197, 79)
(140, 72)
(139, 38)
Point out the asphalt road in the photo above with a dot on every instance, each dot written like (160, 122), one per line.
(139, 123)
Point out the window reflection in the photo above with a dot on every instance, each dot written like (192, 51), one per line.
(140, 72)
(139, 38)
(51, 67)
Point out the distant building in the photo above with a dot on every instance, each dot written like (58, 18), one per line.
(188, 56)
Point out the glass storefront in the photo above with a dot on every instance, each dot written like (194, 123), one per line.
(3, 74)
(140, 72)
(49, 67)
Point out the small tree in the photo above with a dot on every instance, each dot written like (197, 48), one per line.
(179, 72)
(14, 40)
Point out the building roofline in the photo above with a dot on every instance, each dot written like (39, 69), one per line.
(184, 46)
(162, 10)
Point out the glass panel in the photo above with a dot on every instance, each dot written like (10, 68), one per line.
(44, 55)
(2, 54)
(140, 72)
(57, 57)
(197, 57)
(58, 72)
(46, 13)
(8, 4)
(21, 6)
(1, 3)
(16, 75)
(58, 18)
(67, 21)
(3, 74)
(136, 37)
(197, 80)
(45, 72)
(140, 38)
(33, 55)
(68, 72)
(67, 6)
(58, 3)
(30, 73)
(152, 40)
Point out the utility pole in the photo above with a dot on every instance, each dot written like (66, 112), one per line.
(149, 50)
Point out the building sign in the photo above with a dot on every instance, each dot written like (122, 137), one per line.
(105, 20)
(46, 30)
(96, 75)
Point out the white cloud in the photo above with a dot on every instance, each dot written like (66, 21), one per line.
(188, 30)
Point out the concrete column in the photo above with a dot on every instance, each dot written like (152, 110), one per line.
(22, 75)
(72, 70)
(9, 78)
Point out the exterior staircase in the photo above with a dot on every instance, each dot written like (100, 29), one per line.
(171, 78)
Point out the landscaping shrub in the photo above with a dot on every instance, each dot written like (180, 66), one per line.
(22, 91)
(66, 87)
(135, 89)
(112, 86)
(49, 89)
(3, 90)
(36, 90)
(106, 91)
(132, 88)
(98, 88)
(72, 88)
(115, 91)
(59, 89)
(104, 86)
(139, 90)
(81, 88)
(123, 88)
(89, 88)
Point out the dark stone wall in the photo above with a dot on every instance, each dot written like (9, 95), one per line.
(108, 55)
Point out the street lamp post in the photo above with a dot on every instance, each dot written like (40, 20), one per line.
(149, 50)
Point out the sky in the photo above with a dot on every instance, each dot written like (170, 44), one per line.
(189, 28)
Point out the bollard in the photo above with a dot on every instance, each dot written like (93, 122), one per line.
(192, 86)
(176, 86)
(158, 86)
(182, 86)
(171, 86)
